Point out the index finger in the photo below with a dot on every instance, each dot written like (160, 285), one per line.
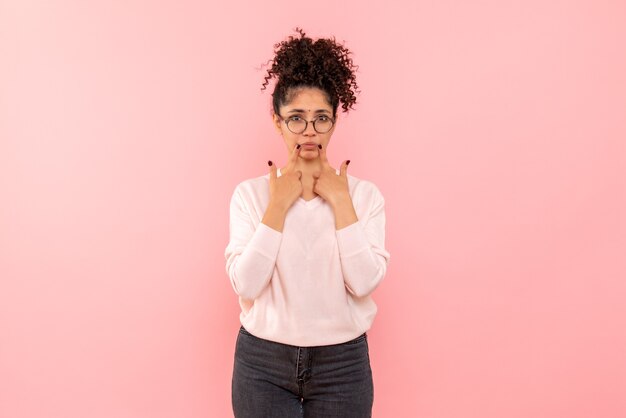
(324, 159)
(293, 158)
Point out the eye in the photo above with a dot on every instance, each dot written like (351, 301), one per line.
(295, 118)
(323, 117)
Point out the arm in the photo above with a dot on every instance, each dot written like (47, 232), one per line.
(251, 252)
(364, 258)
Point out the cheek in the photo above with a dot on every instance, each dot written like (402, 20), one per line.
(289, 142)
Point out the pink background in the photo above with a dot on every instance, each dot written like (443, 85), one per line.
(495, 129)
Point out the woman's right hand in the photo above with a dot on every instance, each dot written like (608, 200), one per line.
(287, 188)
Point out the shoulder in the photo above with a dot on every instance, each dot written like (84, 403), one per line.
(253, 185)
(363, 189)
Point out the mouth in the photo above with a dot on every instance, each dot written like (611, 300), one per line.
(309, 145)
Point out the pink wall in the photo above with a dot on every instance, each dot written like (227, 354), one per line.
(495, 130)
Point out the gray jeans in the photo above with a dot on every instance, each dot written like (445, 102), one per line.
(275, 380)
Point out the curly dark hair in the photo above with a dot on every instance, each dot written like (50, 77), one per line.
(301, 62)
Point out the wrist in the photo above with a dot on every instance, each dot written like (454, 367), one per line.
(341, 201)
(277, 207)
(274, 217)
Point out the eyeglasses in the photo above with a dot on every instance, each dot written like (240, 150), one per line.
(297, 125)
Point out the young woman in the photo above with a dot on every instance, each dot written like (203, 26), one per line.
(306, 251)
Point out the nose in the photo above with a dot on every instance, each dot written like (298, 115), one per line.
(310, 130)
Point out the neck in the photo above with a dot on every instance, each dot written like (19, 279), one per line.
(308, 167)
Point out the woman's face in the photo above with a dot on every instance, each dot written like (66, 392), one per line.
(308, 103)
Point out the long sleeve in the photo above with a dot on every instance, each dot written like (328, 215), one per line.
(362, 252)
(309, 284)
(251, 252)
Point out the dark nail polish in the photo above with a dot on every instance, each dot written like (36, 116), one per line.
(347, 162)
(298, 146)
(269, 162)
(319, 146)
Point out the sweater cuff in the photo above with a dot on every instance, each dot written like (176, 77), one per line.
(351, 239)
(266, 240)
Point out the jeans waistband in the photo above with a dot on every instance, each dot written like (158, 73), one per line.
(352, 341)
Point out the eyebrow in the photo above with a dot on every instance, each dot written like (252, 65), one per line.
(302, 111)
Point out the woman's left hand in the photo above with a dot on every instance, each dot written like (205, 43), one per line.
(332, 187)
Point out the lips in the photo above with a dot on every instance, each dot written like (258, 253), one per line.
(309, 144)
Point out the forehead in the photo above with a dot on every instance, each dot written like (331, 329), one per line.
(308, 100)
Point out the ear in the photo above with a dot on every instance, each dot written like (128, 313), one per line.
(276, 121)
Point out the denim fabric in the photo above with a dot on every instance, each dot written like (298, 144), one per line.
(275, 380)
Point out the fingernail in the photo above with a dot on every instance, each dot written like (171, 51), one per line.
(319, 146)
(298, 146)
(347, 162)
(269, 162)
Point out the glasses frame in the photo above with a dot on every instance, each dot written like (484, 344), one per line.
(306, 123)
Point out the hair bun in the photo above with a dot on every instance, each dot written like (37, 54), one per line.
(322, 63)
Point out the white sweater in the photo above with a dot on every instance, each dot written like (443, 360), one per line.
(310, 284)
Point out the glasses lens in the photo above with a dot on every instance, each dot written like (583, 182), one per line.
(296, 125)
(323, 125)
